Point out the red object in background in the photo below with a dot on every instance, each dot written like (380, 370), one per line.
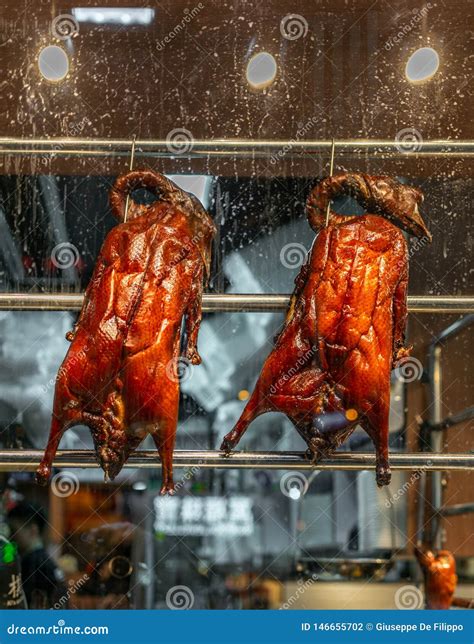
(49, 267)
(120, 376)
(344, 330)
(80, 265)
(439, 572)
(29, 263)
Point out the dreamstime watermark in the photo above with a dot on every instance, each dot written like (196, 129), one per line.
(408, 598)
(64, 26)
(417, 244)
(300, 590)
(408, 140)
(72, 130)
(294, 485)
(400, 493)
(72, 590)
(293, 26)
(303, 129)
(180, 598)
(409, 369)
(179, 141)
(64, 484)
(418, 15)
(57, 629)
(71, 362)
(188, 243)
(188, 475)
(189, 15)
(65, 255)
(301, 361)
(179, 369)
(293, 255)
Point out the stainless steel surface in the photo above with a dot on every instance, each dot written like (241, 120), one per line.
(227, 147)
(226, 303)
(28, 460)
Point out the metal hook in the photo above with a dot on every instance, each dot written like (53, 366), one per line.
(331, 169)
(132, 159)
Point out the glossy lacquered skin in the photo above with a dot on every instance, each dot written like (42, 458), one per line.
(120, 375)
(439, 572)
(344, 330)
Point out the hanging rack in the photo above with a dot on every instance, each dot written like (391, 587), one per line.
(63, 147)
(228, 303)
(28, 460)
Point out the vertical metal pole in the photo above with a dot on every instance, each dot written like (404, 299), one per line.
(436, 440)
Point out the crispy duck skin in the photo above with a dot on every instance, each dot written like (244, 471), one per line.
(120, 374)
(344, 330)
(439, 572)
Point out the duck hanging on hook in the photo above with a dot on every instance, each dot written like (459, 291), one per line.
(345, 327)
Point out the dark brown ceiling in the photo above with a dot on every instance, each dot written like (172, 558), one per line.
(345, 73)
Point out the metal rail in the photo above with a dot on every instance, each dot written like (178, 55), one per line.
(227, 302)
(229, 147)
(457, 510)
(28, 460)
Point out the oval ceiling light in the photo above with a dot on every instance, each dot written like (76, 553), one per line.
(422, 65)
(53, 63)
(261, 70)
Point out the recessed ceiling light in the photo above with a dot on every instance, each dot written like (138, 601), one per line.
(422, 65)
(53, 63)
(261, 70)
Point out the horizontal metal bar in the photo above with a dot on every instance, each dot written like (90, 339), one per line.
(455, 510)
(360, 561)
(230, 147)
(28, 460)
(227, 302)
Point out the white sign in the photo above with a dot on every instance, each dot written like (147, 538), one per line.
(200, 516)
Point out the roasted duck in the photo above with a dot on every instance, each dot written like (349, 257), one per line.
(344, 330)
(439, 572)
(120, 376)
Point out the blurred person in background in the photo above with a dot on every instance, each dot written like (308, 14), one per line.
(42, 580)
